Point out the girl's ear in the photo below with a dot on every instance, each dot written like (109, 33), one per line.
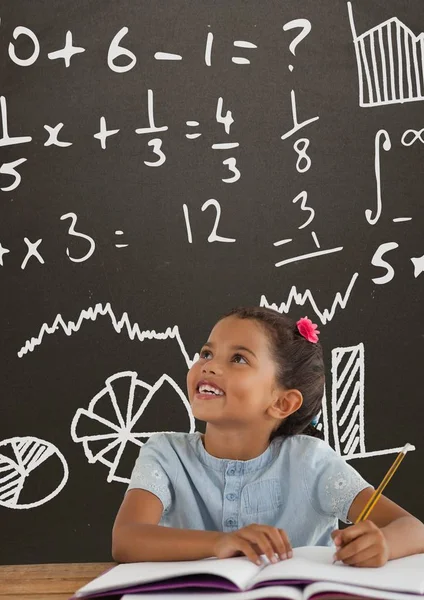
(285, 403)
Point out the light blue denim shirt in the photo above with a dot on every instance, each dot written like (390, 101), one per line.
(299, 484)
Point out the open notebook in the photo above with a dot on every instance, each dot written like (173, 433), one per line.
(397, 580)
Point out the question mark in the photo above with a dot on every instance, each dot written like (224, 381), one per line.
(306, 27)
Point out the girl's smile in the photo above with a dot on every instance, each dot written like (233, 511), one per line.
(208, 390)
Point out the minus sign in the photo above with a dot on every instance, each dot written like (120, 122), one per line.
(401, 219)
(121, 245)
(225, 146)
(167, 56)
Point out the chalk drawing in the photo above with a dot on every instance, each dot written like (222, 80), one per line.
(30, 60)
(167, 56)
(378, 261)
(305, 26)
(348, 401)
(126, 426)
(390, 62)
(117, 51)
(32, 251)
(418, 265)
(104, 133)
(372, 220)
(67, 52)
(322, 423)
(53, 133)
(3, 251)
(240, 60)
(19, 459)
(208, 49)
(300, 298)
(410, 136)
(119, 324)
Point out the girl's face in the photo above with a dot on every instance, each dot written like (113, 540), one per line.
(234, 380)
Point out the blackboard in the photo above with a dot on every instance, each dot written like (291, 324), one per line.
(177, 159)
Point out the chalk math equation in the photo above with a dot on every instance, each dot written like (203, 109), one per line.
(390, 66)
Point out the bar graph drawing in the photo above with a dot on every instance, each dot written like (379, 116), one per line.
(390, 61)
(347, 399)
(348, 402)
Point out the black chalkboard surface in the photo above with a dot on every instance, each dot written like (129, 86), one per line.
(162, 162)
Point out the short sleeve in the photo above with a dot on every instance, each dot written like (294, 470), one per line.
(332, 483)
(152, 470)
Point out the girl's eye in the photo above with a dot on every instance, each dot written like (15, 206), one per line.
(238, 357)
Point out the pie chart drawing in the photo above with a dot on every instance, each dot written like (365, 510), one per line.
(110, 436)
(19, 458)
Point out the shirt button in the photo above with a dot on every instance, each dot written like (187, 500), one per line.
(231, 496)
(230, 522)
(231, 471)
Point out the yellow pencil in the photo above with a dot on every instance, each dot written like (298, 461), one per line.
(377, 493)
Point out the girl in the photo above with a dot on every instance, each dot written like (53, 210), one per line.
(258, 481)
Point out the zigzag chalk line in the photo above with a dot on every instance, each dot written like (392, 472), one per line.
(300, 298)
(91, 313)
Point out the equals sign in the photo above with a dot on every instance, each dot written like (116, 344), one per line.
(119, 232)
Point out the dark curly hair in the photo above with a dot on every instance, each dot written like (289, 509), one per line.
(300, 365)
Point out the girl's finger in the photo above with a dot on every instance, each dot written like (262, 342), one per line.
(364, 557)
(269, 541)
(253, 541)
(360, 544)
(358, 530)
(375, 561)
(285, 537)
(248, 550)
(262, 542)
(280, 542)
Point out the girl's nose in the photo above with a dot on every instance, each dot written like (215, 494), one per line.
(211, 367)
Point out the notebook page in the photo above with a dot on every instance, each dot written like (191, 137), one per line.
(323, 588)
(239, 570)
(315, 564)
(285, 593)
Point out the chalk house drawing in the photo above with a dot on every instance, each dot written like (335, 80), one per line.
(19, 459)
(390, 62)
(127, 425)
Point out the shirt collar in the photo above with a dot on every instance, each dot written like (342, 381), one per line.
(240, 466)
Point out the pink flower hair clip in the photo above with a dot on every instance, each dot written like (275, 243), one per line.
(308, 329)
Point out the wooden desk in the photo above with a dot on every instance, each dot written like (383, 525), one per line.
(46, 582)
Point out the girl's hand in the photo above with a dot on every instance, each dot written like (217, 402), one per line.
(361, 545)
(253, 541)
